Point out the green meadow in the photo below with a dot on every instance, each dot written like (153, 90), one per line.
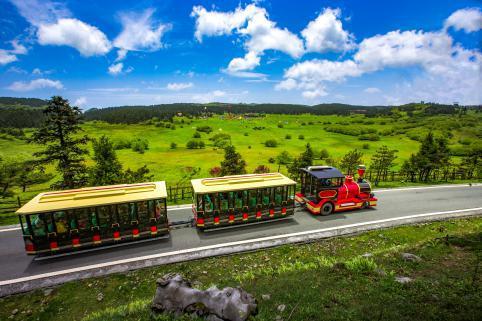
(249, 135)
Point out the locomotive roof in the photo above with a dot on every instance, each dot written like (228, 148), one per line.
(239, 182)
(323, 172)
(93, 196)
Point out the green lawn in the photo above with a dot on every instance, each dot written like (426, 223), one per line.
(325, 280)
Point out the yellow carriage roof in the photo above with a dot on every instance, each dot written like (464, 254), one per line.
(239, 182)
(93, 196)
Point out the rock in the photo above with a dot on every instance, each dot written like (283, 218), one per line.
(47, 292)
(278, 318)
(15, 311)
(367, 255)
(176, 295)
(281, 307)
(403, 279)
(266, 297)
(100, 296)
(380, 272)
(411, 257)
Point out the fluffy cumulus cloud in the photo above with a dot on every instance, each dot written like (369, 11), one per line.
(140, 32)
(80, 102)
(469, 20)
(450, 72)
(326, 33)
(116, 69)
(10, 55)
(35, 84)
(254, 26)
(87, 39)
(179, 86)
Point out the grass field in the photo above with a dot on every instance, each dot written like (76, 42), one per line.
(400, 133)
(325, 280)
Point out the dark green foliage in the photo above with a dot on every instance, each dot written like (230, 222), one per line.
(381, 162)
(271, 160)
(62, 146)
(288, 136)
(204, 129)
(271, 143)
(370, 137)
(304, 160)
(122, 144)
(140, 145)
(324, 154)
(301, 137)
(107, 169)
(366, 146)
(433, 155)
(260, 169)
(196, 135)
(233, 163)
(221, 140)
(350, 161)
(472, 163)
(173, 145)
(195, 144)
(138, 176)
(280, 125)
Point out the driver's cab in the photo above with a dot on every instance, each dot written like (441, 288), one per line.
(317, 178)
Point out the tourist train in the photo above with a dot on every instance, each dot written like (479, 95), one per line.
(89, 218)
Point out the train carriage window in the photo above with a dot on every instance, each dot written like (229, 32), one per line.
(104, 215)
(238, 199)
(200, 206)
(133, 212)
(253, 199)
(24, 225)
(224, 201)
(142, 211)
(83, 218)
(208, 203)
(266, 196)
(278, 195)
(160, 210)
(49, 222)
(123, 212)
(38, 225)
(72, 220)
(151, 208)
(60, 219)
(94, 221)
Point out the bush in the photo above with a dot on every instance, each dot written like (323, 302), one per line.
(271, 143)
(324, 154)
(215, 171)
(195, 144)
(139, 145)
(280, 125)
(173, 145)
(271, 160)
(246, 134)
(261, 169)
(259, 128)
(204, 129)
(371, 137)
(301, 137)
(122, 144)
(196, 135)
(366, 146)
(288, 136)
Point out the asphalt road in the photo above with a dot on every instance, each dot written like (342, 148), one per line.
(14, 263)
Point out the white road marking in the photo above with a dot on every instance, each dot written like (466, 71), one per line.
(210, 247)
(187, 206)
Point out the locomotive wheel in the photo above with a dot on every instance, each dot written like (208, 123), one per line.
(366, 205)
(326, 209)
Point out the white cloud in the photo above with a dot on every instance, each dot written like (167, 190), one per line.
(116, 69)
(469, 20)
(312, 94)
(40, 72)
(140, 32)
(326, 33)
(372, 90)
(253, 25)
(121, 55)
(35, 84)
(87, 39)
(17, 70)
(38, 12)
(208, 97)
(18, 48)
(6, 57)
(179, 86)
(80, 102)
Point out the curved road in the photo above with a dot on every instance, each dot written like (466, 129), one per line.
(393, 203)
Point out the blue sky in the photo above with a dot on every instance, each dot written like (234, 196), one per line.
(110, 53)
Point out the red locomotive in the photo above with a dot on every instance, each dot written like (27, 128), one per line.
(324, 190)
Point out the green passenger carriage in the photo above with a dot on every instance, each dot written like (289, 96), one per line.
(241, 199)
(78, 219)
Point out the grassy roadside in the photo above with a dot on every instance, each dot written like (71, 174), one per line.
(326, 280)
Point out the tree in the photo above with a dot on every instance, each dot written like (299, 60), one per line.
(472, 163)
(271, 143)
(260, 169)
(233, 163)
(382, 161)
(324, 154)
(62, 145)
(173, 145)
(9, 171)
(188, 173)
(304, 160)
(31, 173)
(350, 161)
(107, 169)
(139, 175)
(283, 158)
(215, 171)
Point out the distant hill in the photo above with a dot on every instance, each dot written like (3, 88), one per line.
(22, 102)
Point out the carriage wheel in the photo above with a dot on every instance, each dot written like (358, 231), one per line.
(326, 209)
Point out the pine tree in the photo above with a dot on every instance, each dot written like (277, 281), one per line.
(107, 169)
(306, 158)
(62, 146)
(233, 163)
(382, 161)
(350, 161)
